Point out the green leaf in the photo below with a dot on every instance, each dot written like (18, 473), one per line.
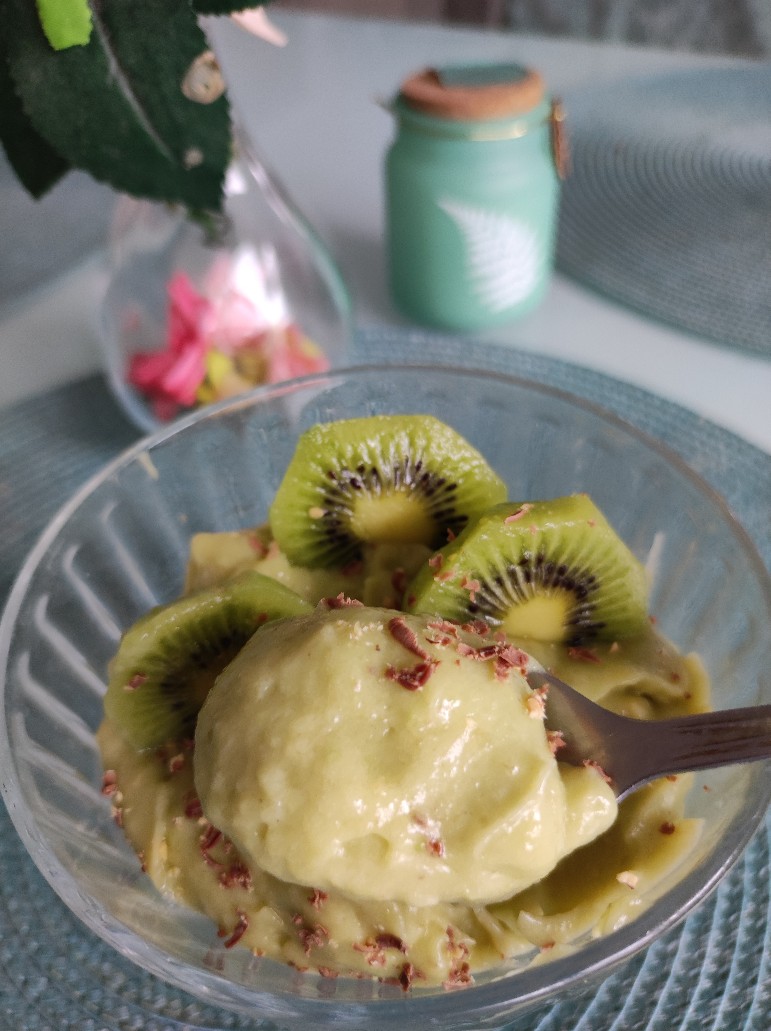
(36, 164)
(224, 6)
(115, 108)
(66, 23)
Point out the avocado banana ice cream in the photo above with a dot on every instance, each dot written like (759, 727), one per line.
(327, 743)
(391, 761)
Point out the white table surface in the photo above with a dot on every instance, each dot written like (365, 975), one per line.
(312, 111)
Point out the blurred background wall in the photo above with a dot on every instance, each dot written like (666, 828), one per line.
(741, 27)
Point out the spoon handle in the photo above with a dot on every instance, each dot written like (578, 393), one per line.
(688, 743)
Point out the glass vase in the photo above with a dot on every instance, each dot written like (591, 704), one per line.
(200, 309)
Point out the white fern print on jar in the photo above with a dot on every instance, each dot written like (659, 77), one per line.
(502, 255)
(472, 195)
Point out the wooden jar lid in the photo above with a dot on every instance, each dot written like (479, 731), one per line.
(474, 92)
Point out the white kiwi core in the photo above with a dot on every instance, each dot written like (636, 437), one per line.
(543, 617)
(391, 518)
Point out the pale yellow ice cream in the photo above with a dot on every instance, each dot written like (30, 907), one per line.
(370, 753)
(378, 579)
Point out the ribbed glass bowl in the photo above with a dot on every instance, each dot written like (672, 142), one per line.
(119, 547)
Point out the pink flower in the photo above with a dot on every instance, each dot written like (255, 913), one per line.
(291, 354)
(171, 377)
(246, 297)
(230, 321)
(235, 336)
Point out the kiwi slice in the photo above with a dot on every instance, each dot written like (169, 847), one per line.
(546, 570)
(168, 660)
(383, 479)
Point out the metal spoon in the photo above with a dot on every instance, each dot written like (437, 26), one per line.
(631, 752)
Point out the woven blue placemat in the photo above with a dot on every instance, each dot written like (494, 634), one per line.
(668, 206)
(710, 974)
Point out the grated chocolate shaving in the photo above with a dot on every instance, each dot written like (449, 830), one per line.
(352, 568)
(257, 544)
(584, 654)
(592, 764)
(406, 636)
(457, 948)
(390, 941)
(505, 656)
(372, 952)
(176, 763)
(318, 898)
(399, 581)
(459, 976)
(478, 627)
(520, 512)
(536, 706)
(206, 843)
(445, 626)
(556, 740)
(444, 575)
(237, 875)
(407, 975)
(412, 677)
(313, 938)
(340, 602)
(629, 878)
(238, 931)
(193, 808)
(472, 586)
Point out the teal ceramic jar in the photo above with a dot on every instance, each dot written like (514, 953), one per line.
(472, 189)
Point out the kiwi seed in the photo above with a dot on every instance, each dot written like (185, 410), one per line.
(546, 570)
(168, 660)
(383, 479)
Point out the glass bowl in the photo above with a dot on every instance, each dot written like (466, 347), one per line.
(120, 546)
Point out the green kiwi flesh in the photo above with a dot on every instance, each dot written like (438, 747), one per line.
(168, 660)
(393, 478)
(547, 570)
